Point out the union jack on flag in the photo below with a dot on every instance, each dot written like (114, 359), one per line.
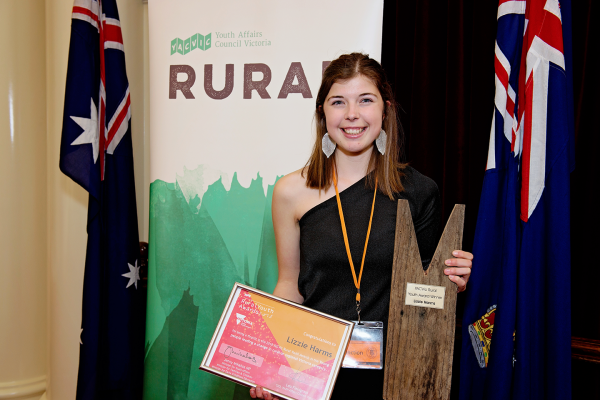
(104, 134)
(96, 152)
(542, 45)
(522, 240)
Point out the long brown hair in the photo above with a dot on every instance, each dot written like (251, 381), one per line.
(386, 168)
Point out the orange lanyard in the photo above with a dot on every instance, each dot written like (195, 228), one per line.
(362, 264)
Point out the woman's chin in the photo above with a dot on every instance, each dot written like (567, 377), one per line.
(355, 150)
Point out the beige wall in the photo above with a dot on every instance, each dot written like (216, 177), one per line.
(23, 188)
(42, 226)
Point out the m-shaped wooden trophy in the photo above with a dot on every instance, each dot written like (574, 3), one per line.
(420, 337)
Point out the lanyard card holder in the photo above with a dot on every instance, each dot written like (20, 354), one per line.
(365, 350)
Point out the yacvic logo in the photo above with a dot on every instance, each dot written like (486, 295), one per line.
(194, 42)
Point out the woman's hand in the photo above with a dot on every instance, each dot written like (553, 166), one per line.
(260, 393)
(461, 270)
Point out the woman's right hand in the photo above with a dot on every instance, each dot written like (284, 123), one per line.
(259, 393)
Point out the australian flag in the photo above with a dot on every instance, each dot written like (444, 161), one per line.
(517, 318)
(96, 152)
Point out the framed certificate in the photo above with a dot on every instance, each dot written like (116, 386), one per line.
(291, 350)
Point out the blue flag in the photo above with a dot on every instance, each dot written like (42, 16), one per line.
(517, 318)
(96, 152)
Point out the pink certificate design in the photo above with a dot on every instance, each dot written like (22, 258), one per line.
(293, 351)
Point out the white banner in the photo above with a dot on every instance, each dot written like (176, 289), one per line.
(230, 127)
(232, 97)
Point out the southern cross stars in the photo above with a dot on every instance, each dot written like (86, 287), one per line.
(90, 130)
(133, 275)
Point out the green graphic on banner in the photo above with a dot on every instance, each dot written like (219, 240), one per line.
(200, 244)
(196, 41)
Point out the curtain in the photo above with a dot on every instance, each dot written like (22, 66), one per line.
(439, 58)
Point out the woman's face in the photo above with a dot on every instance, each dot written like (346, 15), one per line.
(354, 114)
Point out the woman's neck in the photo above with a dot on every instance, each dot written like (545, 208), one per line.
(351, 167)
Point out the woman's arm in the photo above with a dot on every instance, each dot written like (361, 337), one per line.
(287, 241)
(287, 236)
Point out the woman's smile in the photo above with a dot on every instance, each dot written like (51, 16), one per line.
(354, 131)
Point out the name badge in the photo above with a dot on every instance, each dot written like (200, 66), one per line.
(425, 295)
(365, 350)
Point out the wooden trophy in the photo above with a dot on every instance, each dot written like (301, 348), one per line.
(420, 338)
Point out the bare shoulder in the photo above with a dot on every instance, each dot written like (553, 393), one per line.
(292, 196)
(290, 186)
(291, 193)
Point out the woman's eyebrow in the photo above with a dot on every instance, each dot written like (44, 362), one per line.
(360, 95)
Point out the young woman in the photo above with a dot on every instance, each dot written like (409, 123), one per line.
(356, 154)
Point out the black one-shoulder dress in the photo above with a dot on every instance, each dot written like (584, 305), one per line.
(325, 279)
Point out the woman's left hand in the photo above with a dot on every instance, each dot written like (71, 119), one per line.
(460, 268)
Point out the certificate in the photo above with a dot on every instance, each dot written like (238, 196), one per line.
(291, 350)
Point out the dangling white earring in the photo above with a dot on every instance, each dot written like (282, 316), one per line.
(327, 145)
(381, 141)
